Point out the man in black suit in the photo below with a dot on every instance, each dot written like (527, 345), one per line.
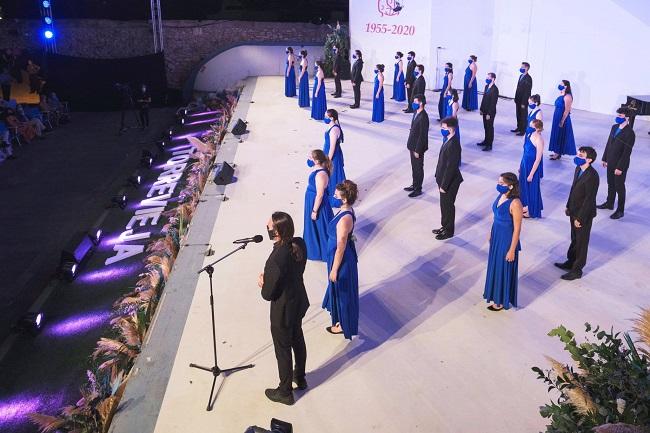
(581, 210)
(357, 78)
(448, 177)
(420, 84)
(409, 80)
(524, 89)
(417, 144)
(488, 110)
(616, 159)
(336, 70)
(282, 284)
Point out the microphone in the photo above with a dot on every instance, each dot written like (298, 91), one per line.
(257, 239)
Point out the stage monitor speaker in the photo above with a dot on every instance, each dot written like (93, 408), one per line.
(239, 128)
(224, 174)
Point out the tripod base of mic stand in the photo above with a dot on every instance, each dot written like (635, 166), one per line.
(216, 371)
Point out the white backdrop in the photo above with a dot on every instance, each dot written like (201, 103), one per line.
(601, 46)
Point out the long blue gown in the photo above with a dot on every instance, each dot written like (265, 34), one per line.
(318, 103)
(531, 193)
(399, 91)
(562, 141)
(290, 81)
(449, 111)
(315, 232)
(441, 102)
(303, 90)
(502, 276)
(338, 172)
(342, 298)
(470, 96)
(377, 103)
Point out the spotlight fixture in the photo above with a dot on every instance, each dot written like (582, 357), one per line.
(119, 201)
(47, 20)
(46, 4)
(95, 235)
(31, 322)
(146, 160)
(135, 180)
(68, 270)
(161, 144)
(171, 132)
(49, 34)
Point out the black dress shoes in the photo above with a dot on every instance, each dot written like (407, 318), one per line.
(617, 215)
(274, 394)
(514, 130)
(444, 235)
(437, 231)
(481, 143)
(354, 106)
(415, 193)
(408, 111)
(487, 148)
(333, 94)
(337, 96)
(301, 383)
(565, 265)
(520, 133)
(605, 206)
(572, 275)
(409, 188)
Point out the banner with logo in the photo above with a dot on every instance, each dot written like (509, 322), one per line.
(379, 28)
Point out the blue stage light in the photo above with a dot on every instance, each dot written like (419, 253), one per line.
(49, 34)
(46, 4)
(47, 20)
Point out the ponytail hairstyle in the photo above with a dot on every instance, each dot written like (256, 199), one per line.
(451, 67)
(348, 191)
(322, 159)
(454, 95)
(510, 179)
(333, 114)
(473, 57)
(290, 49)
(283, 225)
(567, 85)
(303, 53)
(380, 68)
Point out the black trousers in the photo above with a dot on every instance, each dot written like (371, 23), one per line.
(417, 170)
(448, 207)
(357, 93)
(616, 186)
(6, 92)
(488, 126)
(337, 85)
(144, 117)
(409, 96)
(284, 341)
(522, 116)
(577, 253)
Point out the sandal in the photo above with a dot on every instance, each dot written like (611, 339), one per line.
(329, 329)
(494, 308)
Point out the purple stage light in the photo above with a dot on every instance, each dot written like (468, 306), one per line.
(203, 113)
(79, 324)
(192, 134)
(111, 273)
(14, 410)
(198, 122)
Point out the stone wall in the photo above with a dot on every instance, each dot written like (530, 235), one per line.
(186, 43)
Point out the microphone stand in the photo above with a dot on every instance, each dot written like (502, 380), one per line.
(215, 370)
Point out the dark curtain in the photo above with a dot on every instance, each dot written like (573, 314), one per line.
(92, 84)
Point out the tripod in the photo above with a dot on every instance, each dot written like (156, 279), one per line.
(215, 370)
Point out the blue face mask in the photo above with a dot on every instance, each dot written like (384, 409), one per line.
(619, 120)
(336, 202)
(560, 87)
(522, 70)
(376, 70)
(327, 120)
(409, 58)
(286, 51)
(444, 132)
(502, 188)
(415, 105)
(315, 68)
(470, 61)
(396, 57)
(530, 130)
(334, 49)
(447, 69)
(416, 73)
(579, 161)
(488, 80)
(532, 106)
(310, 163)
(354, 56)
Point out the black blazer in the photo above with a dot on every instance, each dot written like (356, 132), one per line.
(447, 169)
(489, 101)
(337, 63)
(524, 89)
(284, 286)
(356, 71)
(419, 86)
(618, 149)
(582, 198)
(410, 68)
(418, 140)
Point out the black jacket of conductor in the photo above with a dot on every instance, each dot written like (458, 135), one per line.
(284, 285)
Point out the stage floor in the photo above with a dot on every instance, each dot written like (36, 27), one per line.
(429, 356)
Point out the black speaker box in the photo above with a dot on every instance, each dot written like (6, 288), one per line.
(224, 174)
(239, 128)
